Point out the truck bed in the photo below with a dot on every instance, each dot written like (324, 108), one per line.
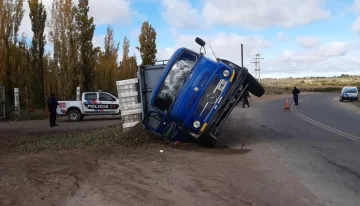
(65, 105)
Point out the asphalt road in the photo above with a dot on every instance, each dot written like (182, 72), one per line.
(319, 140)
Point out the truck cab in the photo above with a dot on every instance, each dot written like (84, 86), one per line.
(195, 95)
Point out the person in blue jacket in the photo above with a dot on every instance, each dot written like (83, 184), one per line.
(52, 106)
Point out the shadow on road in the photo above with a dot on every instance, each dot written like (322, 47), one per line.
(218, 149)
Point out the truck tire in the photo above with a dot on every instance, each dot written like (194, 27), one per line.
(254, 87)
(74, 115)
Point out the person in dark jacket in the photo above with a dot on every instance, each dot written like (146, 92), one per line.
(52, 106)
(296, 93)
(246, 100)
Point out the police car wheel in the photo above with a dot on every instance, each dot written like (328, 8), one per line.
(74, 116)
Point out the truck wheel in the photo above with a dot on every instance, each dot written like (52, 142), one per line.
(254, 87)
(74, 116)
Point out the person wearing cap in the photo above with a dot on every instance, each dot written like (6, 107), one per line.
(52, 106)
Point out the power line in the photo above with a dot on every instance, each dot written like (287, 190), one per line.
(257, 66)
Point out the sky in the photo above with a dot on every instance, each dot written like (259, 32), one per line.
(296, 38)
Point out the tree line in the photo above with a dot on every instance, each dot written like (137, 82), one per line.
(74, 60)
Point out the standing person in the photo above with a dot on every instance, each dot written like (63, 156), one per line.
(246, 100)
(52, 105)
(296, 93)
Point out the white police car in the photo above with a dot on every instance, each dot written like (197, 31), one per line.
(349, 93)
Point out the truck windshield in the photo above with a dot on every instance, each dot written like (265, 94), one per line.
(351, 91)
(174, 80)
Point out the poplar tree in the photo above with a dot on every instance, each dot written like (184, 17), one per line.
(147, 40)
(38, 19)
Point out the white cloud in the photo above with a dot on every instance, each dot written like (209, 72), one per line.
(281, 36)
(165, 54)
(337, 48)
(111, 12)
(326, 59)
(307, 41)
(319, 53)
(329, 58)
(225, 45)
(99, 41)
(254, 14)
(356, 5)
(356, 25)
(180, 14)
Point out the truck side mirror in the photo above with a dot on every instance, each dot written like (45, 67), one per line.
(200, 41)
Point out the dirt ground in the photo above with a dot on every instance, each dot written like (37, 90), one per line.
(154, 174)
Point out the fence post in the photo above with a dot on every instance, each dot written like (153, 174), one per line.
(17, 101)
(77, 93)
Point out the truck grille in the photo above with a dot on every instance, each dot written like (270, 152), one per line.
(203, 80)
(210, 97)
(201, 84)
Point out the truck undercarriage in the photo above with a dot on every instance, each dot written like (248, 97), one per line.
(243, 81)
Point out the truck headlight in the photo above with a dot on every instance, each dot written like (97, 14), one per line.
(197, 124)
(226, 73)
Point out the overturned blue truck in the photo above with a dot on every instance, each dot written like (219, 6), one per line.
(190, 96)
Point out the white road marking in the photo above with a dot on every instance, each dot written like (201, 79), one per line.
(341, 133)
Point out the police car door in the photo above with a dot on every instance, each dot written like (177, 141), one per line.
(90, 103)
(108, 103)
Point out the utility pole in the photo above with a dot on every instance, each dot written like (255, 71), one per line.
(257, 66)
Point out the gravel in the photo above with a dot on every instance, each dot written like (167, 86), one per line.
(111, 137)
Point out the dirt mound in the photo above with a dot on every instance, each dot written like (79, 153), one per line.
(101, 138)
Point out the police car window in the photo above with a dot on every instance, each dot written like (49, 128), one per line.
(106, 97)
(91, 96)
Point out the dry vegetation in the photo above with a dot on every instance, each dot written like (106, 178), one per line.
(313, 84)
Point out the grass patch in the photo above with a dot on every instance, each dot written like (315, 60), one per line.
(335, 84)
(286, 90)
(315, 82)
